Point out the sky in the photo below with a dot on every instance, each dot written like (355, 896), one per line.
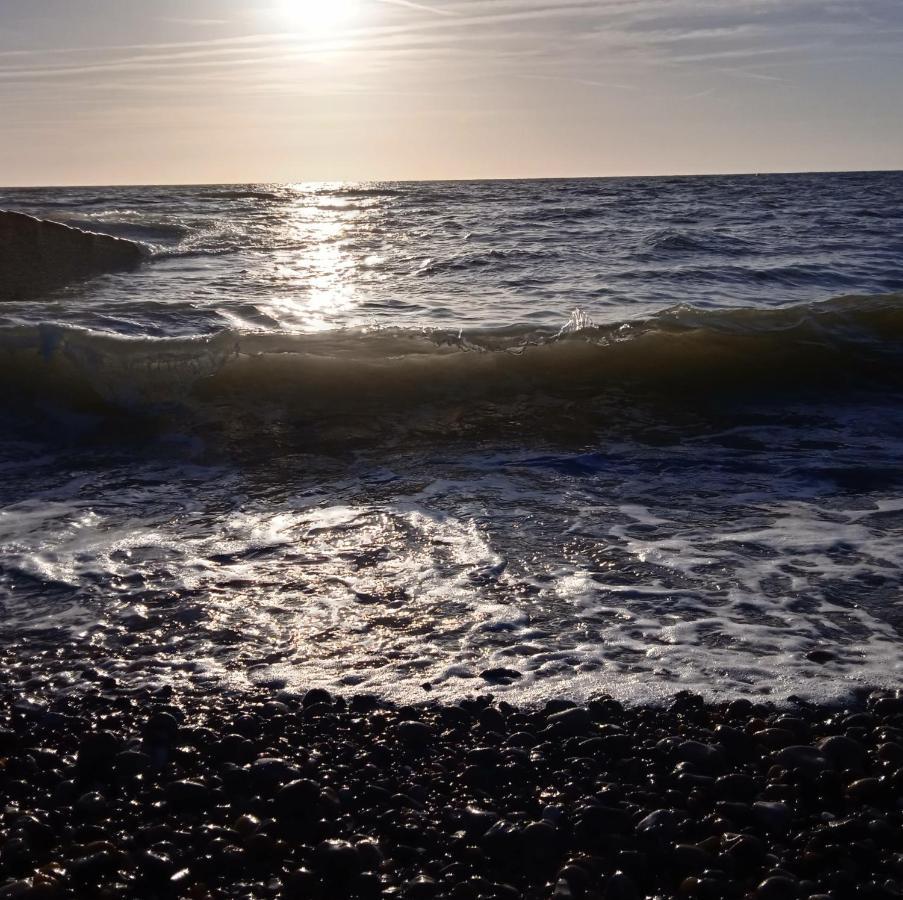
(227, 91)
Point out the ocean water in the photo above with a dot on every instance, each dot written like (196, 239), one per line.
(625, 436)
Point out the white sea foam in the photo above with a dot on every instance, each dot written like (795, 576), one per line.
(496, 565)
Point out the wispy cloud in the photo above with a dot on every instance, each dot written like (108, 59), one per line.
(420, 7)
(195, 23)
(596, 43)
(587, 82)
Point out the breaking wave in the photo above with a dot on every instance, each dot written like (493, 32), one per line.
(679, 356)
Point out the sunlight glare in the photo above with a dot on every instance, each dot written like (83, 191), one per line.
(319, 16)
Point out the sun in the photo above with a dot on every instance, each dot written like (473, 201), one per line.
(319, 16)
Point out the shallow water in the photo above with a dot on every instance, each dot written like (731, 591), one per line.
(620, 435)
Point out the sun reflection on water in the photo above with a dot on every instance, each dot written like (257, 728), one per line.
(314, 269)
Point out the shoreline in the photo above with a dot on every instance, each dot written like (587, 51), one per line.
(276, 794)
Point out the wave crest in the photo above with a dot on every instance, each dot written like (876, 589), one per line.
(678, 356)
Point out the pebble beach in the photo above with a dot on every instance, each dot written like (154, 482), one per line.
(118, 795)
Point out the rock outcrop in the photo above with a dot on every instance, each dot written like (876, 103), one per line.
(37, 256)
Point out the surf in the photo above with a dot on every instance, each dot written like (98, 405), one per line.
(677, 360)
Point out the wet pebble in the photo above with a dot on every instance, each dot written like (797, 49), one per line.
(307, 796)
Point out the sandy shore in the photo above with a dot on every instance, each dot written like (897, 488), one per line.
(283, 795)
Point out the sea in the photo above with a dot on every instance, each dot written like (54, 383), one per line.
(547, 438)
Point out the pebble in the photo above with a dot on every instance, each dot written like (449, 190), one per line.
(842, 751)
(621, 887)
(661, 823)
(777, 887)
(188, 796)
(707, 757)
(336, 860)
(273, 772)
(307, 796)
(98, 750)
(421, 888)
(92, 805)
(501, 675)
(866, 790)
(416, 734)
(316, 696)
(775, 817)
(570, 722)
(806, 758)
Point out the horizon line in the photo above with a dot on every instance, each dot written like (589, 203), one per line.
(477, 179)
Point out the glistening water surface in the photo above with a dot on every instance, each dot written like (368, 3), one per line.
(629, 436)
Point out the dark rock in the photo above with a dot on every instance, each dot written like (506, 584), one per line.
(131, 762)
(316, 696)
(522, 739)
(235, 748)
(503, 841)
(90, 869)
(576, 877)
(776, 817)
(777, 887)
(297, 799)
(662, 823)
(689, 859)
(370, 854)
(621, 887)
(37, 256)
(97, 750)
(162, 722)
(867, 790)
(707, 757)
(273, 772)
(501, 675)
(890, 752)
(557, 705)
(415, 734)
(300, 884)
(156, 866)
(808, 759)
(92, 805)
(601, 819)
(888, 706)
(8, 740)
(541, 840)
(736, 786)
(740, 708)
(188, 796)
(363, 703)
(317, 711)
(775, 738)
(337, 860)
(492, 720)
(843, 752)
(573, 722)
(747, 851)
(477, 821)
(421, 888)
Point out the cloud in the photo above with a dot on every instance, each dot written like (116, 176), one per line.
(604, 43)
(421, 7)
(195, 23)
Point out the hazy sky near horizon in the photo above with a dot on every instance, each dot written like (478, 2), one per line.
(167, 91)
